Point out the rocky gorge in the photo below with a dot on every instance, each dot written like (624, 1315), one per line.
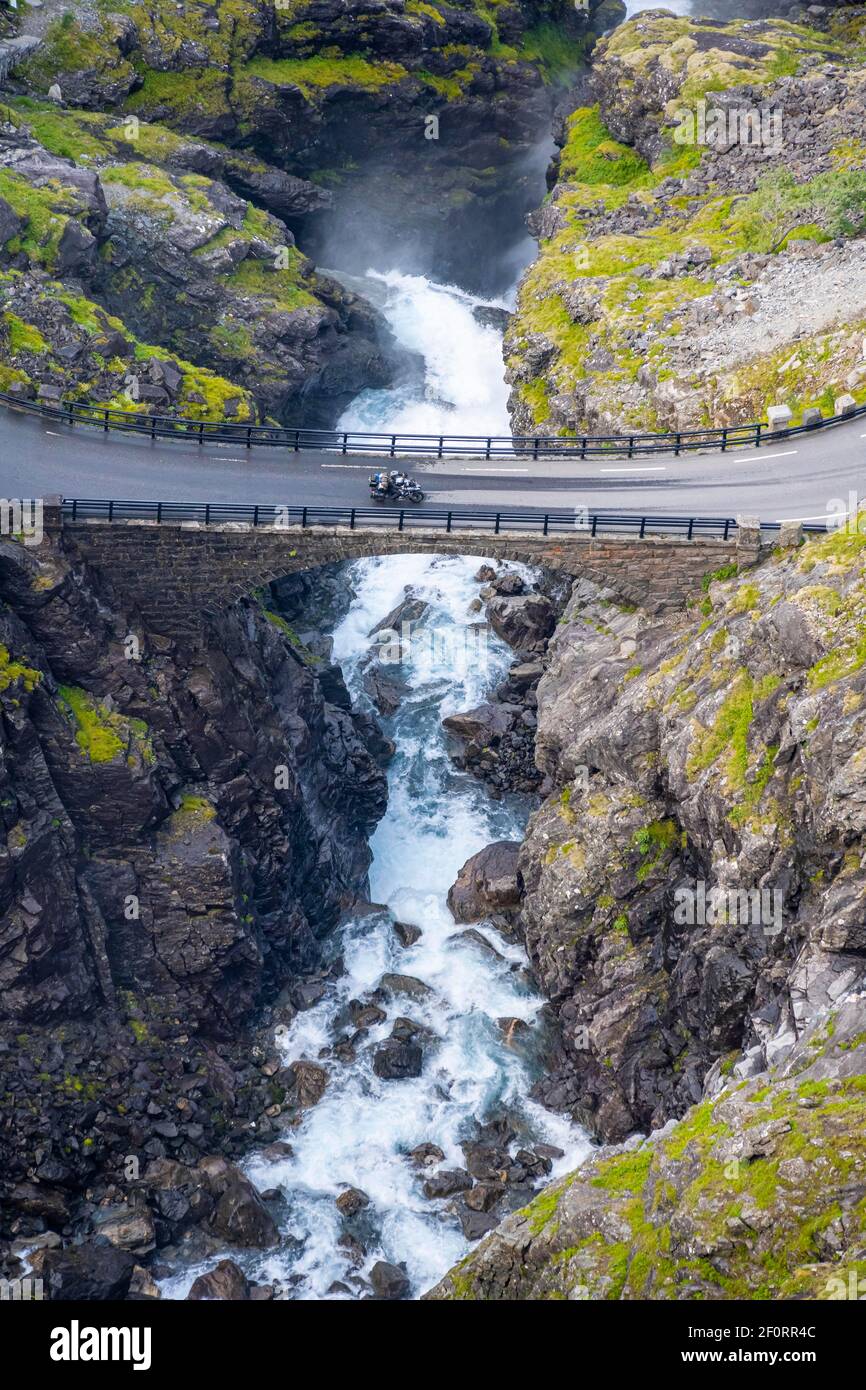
(325, 972)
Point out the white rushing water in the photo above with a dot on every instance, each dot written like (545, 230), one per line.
(464, 390)
(363, 1128)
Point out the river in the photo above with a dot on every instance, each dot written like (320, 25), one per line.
(361, 1131)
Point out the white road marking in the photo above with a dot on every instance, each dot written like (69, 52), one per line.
(656, 468)
(758, 454)
(54, 434)
(345, 465)
(493, 470)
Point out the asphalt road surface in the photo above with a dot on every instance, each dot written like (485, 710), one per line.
(805, 478)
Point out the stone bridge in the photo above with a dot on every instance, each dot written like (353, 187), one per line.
(174, 572)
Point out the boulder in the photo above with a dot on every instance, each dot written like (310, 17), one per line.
(226, 1282)
(447, 1182)
(310, 1083)
(352, 1201)
(394, 1060)
(240, 1215)
(405, 984)
(488, 883)
(407, 934)
(389, 1281)
(87, 1272)
(524, 621)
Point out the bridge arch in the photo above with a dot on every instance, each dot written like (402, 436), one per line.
(173, 573)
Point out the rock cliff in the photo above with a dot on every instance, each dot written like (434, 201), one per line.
(691, 898)
(701, 255)
(182, 825)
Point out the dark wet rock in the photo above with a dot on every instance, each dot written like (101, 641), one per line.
(426, 1155)
(129, 1227)
(386, 687)
(389, 1281)
(488, 884)
(479, 942)
(525, 622)
(485, 574)
(239, 1214)
(405, 984)
(365, 1015)
(513, 1029)
(395, 1061)
(508, 583)
(310, 1081)
(409, 610)
(476, 1224)
(277, 1152)
(406, 933)
(352, 1201)
(484, 1196)
(447, 1182)
(87, 1272)
(227, 1282)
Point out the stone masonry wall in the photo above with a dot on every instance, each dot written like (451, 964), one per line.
(172, 572)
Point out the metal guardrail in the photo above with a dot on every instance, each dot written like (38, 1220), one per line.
(203, 432)
(577, 521)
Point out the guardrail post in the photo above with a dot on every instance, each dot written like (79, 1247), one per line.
(111, 511)
(297, 441)
(345, 447)
(249, 438)
(691, 527)
(724, 438)
(642, 527)
(207, 514)
(678, 445)
(594, 522)
(535, 450)
(631, 446)
(352, 520)
(546, 523)
(303, 518)
(255, 516)
(448, 523)
(583, 447)
(106, 426)
(758, 435)
(159, 511)
(441, 444)
(727, 526)
(393, 445)
(400, 524)
(489, 445)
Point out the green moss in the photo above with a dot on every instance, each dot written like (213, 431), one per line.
(196, 808)
(313, 76)
(591, 156)
(102, 735)
(44, 211)
(23, 337)
(14, 672)
(281, 288)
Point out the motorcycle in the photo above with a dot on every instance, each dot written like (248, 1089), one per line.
(395, 486)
